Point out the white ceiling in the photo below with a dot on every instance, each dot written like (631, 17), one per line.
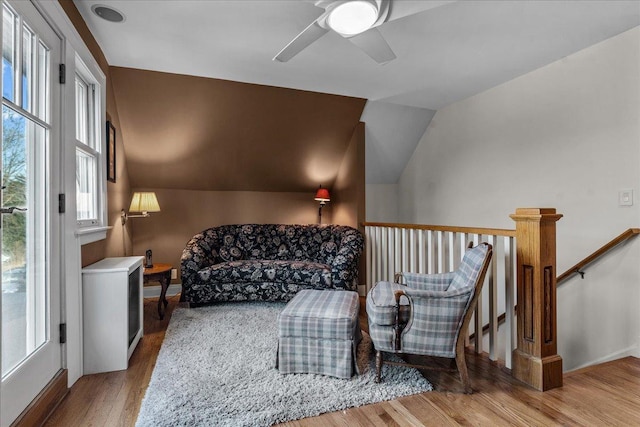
(445, 53)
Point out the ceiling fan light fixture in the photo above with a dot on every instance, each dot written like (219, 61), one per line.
(353, 17)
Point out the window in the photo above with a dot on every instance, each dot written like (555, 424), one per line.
(25, 236)
(89, 158)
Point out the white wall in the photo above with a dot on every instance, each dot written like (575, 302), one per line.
(392, 133)
(565, 136)
(382, 202)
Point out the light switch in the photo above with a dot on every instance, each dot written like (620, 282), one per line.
(625, 197)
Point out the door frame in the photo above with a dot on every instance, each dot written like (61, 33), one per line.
(74, 48)
(52, 355)
(69, 264)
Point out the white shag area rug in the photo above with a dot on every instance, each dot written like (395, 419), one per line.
(217, 367)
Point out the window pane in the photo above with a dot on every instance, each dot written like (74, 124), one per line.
(27, 68)
(8, 53)
(86, 189)
(24, 325)
(82, 102)
(43, 82)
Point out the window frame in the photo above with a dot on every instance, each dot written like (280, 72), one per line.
(94, 114)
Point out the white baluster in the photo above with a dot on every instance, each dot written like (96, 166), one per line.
(440, 253)
(430, 252)
(509, 279)
(367, 242)
(421, 252)
(379, 251)
(451, 250)
(478, 317)
(493, 302)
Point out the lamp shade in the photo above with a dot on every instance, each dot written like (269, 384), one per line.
(322, 195)
(144, 202)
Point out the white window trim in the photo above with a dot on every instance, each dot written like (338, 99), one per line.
(74, 47)
(99, 133)
(91, 234)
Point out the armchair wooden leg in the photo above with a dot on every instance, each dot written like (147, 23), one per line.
(464, 375)
(378, 365)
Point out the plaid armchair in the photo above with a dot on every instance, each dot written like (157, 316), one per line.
(429, 314)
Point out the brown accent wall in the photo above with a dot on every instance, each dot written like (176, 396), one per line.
(187, 212)
(196, 133)
(349, 189)
(118, 241)
(348, 198)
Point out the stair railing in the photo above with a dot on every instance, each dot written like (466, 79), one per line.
(578, 268)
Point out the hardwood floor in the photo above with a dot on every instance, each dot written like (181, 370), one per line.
(606, 394)
(114, 398)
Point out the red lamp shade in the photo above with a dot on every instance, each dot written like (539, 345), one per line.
(322, 195)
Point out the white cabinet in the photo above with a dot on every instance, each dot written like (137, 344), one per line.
(112, 312)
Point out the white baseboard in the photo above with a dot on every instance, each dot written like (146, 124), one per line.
(629, 351)
(154, 291)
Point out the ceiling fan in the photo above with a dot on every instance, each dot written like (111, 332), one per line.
(355, 20)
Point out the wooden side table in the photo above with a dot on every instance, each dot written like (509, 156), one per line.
(160, 273)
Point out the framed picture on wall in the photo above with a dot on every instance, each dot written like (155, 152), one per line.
(111, 152)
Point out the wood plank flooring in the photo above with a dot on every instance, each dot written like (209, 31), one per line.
(606, 394)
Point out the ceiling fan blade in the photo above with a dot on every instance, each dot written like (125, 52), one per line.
(400, 9)
(374, 45)
(310, 34)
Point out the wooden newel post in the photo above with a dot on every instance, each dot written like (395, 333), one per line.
(535, 360)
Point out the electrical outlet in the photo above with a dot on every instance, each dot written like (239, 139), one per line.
(174, 273)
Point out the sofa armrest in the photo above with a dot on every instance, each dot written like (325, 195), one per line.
(344, 268)
(200, 252)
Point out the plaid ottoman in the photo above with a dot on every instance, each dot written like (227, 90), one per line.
(318, 333)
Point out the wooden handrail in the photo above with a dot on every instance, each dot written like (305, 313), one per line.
(627, 234)
(455, 229)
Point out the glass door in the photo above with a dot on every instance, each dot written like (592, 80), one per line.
(31, 352)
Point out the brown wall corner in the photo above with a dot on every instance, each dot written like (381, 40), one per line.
(348, 193)
(93, 252)
(349, 189)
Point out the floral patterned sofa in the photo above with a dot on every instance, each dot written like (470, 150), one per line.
(269, 262)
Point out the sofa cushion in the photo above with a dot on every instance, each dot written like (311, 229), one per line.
(231, 250)
(266, 271)
(231, 253)
(284, 242)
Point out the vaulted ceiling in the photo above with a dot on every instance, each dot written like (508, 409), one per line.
(446, 51)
